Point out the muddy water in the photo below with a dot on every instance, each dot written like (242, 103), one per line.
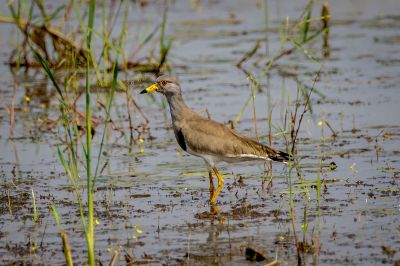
(151, 202)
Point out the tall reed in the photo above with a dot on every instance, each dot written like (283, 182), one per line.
(90, 237)
(72, 165)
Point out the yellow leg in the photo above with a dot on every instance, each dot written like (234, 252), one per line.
(220, 185)
(214, 209)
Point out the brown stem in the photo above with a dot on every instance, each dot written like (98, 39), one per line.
(277, 57)
(55, 34)
(67, 248)
(296, 238)
(249, 54)
(306, 105)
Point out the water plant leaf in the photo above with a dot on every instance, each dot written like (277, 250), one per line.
(306, 25)
(56, 215)
(54, 14)
(46, 67)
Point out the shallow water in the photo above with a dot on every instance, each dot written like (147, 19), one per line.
(163, 192)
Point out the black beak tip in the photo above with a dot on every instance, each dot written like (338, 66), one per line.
(143, 91)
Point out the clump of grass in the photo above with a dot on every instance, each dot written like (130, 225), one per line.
(293, 121)
(36, 33)
(64, 49)
(295, 38)
(298, 35)
(58, 46)
(71, 163)
(296, 118)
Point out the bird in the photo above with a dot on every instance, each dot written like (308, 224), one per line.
(208, 139)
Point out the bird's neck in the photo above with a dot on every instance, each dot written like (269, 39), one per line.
(178, 107)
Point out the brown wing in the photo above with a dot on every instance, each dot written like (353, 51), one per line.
(210, 137)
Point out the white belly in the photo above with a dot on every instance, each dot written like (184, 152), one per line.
(212, 159)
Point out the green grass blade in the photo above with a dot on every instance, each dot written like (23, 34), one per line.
(56, 215)
(64, 238)
(64, 163)
(46, 68)
(246, 103)
(90, 237)
(92, 5)
(108, 108)
(55, 13)
(31, 11)
(306, 26)
(150, 36)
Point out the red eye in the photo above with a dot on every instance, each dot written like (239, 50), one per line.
(163, 83)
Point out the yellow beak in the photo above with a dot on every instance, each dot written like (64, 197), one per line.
(150, 89)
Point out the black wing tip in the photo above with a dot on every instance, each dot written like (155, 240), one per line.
(143, 91)
(282, 156)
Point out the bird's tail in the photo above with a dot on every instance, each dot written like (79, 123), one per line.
(281, 156)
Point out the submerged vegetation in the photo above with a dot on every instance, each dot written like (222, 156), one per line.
(122, 174)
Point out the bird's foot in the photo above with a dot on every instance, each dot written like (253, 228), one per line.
(217, 214)
(214, 209)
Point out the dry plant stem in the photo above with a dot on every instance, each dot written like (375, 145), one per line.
(44, 233)
(277, 57)
(54, 33)
(254, 111)
(295, 132)
(291, 50)
(249, 54)
(334, 134)
(293, 119)
(66, 248)
(272, 263)
(296, 238)
(114, 258)
(67, 12)
(325, 14)
(293, 219)
(128, 107)
(12, 110)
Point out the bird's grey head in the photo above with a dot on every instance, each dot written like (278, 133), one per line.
(165, 84)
